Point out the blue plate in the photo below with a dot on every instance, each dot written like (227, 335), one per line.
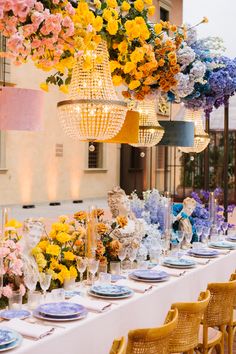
(55, 318)
(70, 293)
(204, 252)
(6, 336)
(150, 274)
(176, 262)
(110, 289)
(15, 343)
(10, 314)
(222, 244)
(60, 309)
(116, 277)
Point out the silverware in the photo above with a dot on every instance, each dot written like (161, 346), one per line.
(43, 323)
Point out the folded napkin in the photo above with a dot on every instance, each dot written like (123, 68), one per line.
(198, 260)
(29, 330)
(91, 305)
(134, 285)
(171, 271)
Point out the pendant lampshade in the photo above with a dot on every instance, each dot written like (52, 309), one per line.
(150, 131)
(201, 138)
(93, 111)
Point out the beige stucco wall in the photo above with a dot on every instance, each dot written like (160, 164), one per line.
(34, 174)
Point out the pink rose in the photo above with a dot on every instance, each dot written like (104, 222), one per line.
(7, 291)
(38, 6)
(4, 251)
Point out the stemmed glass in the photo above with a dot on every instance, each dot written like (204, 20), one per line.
(188, 238)
(224, 227)
(30, 280)
(132, 253)
(93, 267)
(81, 266)
(180, 237)
(199, 232)
(122, 255)
(45, 281)
(205, 234)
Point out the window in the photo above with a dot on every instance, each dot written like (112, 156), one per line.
(96, 158)
(164, 14)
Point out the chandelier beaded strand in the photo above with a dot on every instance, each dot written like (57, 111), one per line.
(201, 138)
(93, 111)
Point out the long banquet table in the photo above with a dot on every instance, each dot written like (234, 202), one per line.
(94, 335)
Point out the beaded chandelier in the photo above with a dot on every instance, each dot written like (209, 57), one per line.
(93, 110)
(201, 138)
(150, 131)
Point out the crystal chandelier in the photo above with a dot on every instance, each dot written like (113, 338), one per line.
(150, 131)
(93, 110)
(201, 138)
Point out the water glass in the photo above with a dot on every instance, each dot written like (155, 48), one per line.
(188, 238)
(104, 278)
(34, 299)
(122, 255)
(142, 264)
(154, 256)
(224, 227)
(81, 266)
(115, 267)
(15, 301)
(102, 268)
(45, 281)
(197, 245)
(199, 230)
(31, 279)
(57, 295)
(93, 267)
(132, 252)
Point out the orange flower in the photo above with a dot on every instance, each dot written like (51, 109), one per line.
(101, 228)
(126, 94)
(80, 216)
(122, 221)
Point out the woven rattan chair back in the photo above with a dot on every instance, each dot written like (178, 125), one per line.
(153, 340)
(118, 346)
(233, 278)
(185, 336)
(219, 309)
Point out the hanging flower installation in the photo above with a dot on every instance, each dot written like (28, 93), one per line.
(55, 33)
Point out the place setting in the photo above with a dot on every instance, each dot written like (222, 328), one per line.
(9, 339)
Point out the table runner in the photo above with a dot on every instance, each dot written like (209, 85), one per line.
(94, 335)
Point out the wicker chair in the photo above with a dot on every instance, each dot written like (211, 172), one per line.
(153, 340)
(118, 346)
(185, 337)
(231, 329)
(218, 314)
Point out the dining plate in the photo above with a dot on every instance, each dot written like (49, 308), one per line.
(208, 253)
(13, 344)
(10, 314)
(6, 336)
(127, 295)
(231, 238)
(133, 277)
(150, 274)
(110, 289)
(222, 244)
(79, 316)
(116, 277)
(179, 262)
(60, 309)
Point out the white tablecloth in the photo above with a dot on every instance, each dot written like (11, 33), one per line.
(94, 335)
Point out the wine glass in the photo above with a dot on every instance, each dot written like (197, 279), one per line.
(224, 227)
(93, 267)
(30, 279)
(199, 232)
(188, 238)
(81, 266)
(122, 255)
(45, 281)
(132, 253)
(205, 234)
(180, 237)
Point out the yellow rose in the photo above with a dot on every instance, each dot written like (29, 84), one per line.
(44, 86)
(129, 66)
(36, 250)
(148, 2)
(151, 11)
(69, 256)
(41, 261)
(73, 272)
(59, 226)
(63, 218)
(53, 250)
(139, 5)
(117, 80)
(109, 14)
(122, 47)
(158, 28)
(137, 55)
(112, 3)
(63, 237)
(125, 6)
(112, 27)
(13, 223)
(98, 23)
(134, 84)
(43, 245)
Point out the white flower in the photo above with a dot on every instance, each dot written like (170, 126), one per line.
(185, 56)
(185, 85)
(198, 71)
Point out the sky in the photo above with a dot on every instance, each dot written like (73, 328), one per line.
(222, 19)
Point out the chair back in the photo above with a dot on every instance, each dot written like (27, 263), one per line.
(185, 336)
(153, 340)
(220, 307)
(233, 278)
(118, 346)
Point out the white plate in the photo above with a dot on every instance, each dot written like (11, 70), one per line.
(178, 267)
(111, 297)
(12, 345)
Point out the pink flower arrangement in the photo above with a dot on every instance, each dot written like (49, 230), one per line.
(11, 267)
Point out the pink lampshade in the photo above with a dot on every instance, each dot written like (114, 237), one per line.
(21, 109)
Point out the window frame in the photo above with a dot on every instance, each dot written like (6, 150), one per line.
(102, 169)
